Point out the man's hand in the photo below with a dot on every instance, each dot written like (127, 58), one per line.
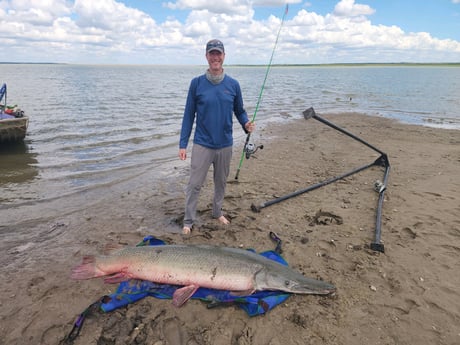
(250, 126)
(183, 154)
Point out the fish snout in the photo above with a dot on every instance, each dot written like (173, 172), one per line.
(314, 287)
(327, 289)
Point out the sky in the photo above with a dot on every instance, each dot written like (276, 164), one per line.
(176, 31)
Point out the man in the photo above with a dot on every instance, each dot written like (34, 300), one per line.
(212, 98)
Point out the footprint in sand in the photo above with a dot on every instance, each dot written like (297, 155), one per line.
(34, 288)
(408, 233)
(173, 332)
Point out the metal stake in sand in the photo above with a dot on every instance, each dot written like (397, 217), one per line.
(381, 161)
(246, 148)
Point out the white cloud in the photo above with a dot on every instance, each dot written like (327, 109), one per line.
(220, 6)
(275, 3)
(108, 31)
(34, 12)
(341, 37)
(109, 15)
(348, 8)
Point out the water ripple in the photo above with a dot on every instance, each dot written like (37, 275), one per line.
(91, 126)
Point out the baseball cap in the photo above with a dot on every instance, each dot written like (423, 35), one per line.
(215, 45)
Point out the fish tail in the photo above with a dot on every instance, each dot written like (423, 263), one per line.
(86, 270)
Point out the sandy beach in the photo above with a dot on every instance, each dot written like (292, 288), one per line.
(407, 295)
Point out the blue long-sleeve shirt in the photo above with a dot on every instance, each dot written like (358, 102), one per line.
(213, 105)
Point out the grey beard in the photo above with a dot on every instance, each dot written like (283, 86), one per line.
(215, 79)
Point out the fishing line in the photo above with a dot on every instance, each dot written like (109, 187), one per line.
(246, 144)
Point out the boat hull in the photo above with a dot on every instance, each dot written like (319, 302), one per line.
(12, 130)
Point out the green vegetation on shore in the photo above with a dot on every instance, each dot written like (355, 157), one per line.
(353, 64)
(365, 64)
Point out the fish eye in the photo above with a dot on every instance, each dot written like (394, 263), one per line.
(287, 283)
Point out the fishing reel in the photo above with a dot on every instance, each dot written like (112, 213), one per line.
(251, 148)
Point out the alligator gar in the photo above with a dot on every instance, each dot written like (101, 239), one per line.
(193, 266)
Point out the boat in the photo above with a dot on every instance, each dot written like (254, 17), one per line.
(13, 122)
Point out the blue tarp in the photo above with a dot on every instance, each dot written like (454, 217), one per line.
(257, 303)
(4, 116)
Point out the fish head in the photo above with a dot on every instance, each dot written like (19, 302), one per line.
(293, 282)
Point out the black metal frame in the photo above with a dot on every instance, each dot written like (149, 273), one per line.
(381, 161)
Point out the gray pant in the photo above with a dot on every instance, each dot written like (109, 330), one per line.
(202, 158)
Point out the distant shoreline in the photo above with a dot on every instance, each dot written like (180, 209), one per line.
(360, 64)
(32, 63)
(341, 64)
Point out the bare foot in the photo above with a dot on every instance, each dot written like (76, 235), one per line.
(186, 230)
(223, 220)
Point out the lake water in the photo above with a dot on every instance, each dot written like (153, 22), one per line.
(94, 127)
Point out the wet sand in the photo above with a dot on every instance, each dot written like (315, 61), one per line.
(407, 295)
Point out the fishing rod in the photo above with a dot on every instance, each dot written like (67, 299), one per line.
(248, 149)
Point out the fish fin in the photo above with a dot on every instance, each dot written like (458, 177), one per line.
(118, 277)
(242, 293)
(86, 270)
(183, 294)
